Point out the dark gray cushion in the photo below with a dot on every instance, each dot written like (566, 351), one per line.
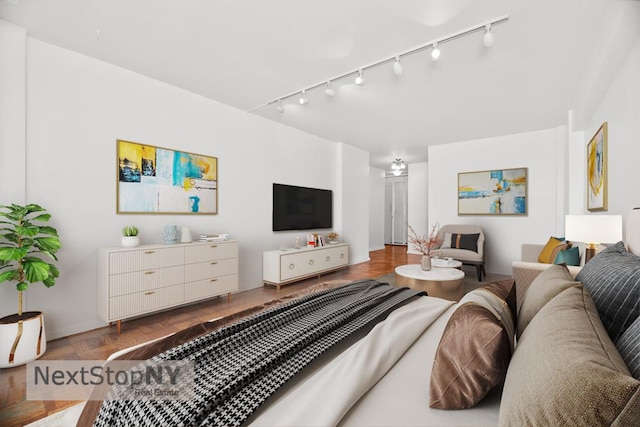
(613, 280)
(629, 347)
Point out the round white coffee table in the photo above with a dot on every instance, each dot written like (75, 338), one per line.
(441, 282)
(445, 263)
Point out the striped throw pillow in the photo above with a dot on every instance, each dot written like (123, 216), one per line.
(613, 280)
(629, 347)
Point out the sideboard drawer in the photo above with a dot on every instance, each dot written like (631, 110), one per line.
(210, 269)
(142, 302)
(138, 281)
(136, 260)
(210, 287)
(211, 251)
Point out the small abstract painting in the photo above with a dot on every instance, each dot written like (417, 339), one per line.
(158, 180)
(597, 170)
(493, 192)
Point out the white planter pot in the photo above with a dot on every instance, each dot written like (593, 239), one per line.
(129, 241)
(22, 340)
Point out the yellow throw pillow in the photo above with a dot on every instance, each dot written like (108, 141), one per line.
(551, 249)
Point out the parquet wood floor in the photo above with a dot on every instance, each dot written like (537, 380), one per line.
(99, 343)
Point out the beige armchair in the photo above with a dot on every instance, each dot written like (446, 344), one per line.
(463, 254)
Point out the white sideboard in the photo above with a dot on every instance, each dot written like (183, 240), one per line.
(280, 267)
(148, 278)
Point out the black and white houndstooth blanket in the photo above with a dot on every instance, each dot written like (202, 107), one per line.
(239, 366)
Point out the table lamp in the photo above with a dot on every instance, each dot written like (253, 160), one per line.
(593, 230)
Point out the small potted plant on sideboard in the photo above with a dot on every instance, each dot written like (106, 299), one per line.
(130, 236)
(25, 248)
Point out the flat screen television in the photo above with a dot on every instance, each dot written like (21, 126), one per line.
(301, 208)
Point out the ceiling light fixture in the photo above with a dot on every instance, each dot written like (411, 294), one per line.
(329, 90)
(487, 41)
(303, 98)
(397, 66)
(397, 166)
(435, 53)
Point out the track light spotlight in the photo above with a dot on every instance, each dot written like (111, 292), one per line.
(397, 66)
(487, 39)
(303, 98)
(329, 90)
(435, 53)
(280, 108)
(360, 78)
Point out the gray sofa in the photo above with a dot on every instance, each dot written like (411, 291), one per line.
(528, 268)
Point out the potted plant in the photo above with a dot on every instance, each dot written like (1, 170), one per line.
(130, 236)
(26, 247)
(332, 237)
(425, 245)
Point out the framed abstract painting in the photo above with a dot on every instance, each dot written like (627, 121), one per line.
(597, 170)
(493, 192)
(163, 181)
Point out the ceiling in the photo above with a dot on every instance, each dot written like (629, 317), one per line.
(245, 53)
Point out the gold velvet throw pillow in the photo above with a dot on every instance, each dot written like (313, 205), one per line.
(475, 347)
(551, 249)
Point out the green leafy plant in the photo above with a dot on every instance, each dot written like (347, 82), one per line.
(130, 231)
(24, 246)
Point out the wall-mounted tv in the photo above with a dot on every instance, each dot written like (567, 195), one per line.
(301, 208)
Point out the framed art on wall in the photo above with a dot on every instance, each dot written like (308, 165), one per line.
(493, 192)
(159, 180)
(597, 170)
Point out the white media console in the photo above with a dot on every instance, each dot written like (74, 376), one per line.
(280, 267)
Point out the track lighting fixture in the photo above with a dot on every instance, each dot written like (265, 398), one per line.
(397, 66)
(329, 90)
(487, 41)
(303, 98)
(435, 53)
(280, 108)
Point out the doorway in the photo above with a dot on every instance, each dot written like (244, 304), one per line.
(395, 213)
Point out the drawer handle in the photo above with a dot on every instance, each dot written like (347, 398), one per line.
(341, 256)
(310, 262)
(291, 266)
(150, 293)
(213, 280)
(213, 246)
(328, 259)
(149, 272)
(214, 262)
(149, 252)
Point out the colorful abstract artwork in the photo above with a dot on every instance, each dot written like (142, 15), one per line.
(158, 180)
(493, 192)
(597, 170)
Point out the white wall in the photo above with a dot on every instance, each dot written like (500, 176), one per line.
(620, 107)
(12, 109)
(376, 209)
(354, 199)
(417, 206)
(76, 108)
(538, 152)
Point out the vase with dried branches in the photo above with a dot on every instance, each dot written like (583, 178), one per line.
(425, 244)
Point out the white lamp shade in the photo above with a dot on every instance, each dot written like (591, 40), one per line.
(593, 228)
